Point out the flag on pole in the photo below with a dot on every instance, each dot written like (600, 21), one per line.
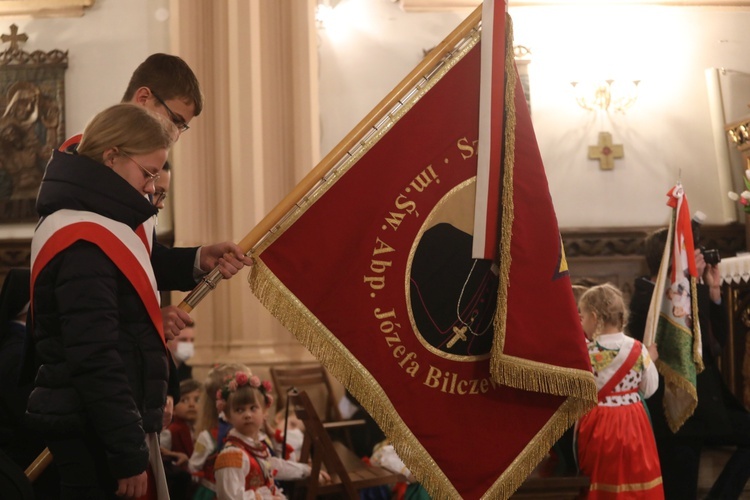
(672, 320)
(373, 273)
(492, 90)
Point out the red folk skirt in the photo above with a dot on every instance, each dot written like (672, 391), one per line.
(617, 451)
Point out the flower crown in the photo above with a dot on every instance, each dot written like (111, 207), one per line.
(242, 379)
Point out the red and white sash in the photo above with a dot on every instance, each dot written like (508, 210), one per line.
(146, 230)
(622, 364)
(127, 250)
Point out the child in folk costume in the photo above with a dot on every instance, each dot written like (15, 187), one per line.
(212, 428)
(616, 446)
(246, 467)
(294, 428)
(177, 440)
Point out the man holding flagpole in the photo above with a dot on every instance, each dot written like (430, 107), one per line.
(717, 418)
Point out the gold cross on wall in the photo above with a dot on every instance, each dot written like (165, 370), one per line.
(605, 151)
(14, 38)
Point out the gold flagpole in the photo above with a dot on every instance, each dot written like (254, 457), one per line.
(211, 280)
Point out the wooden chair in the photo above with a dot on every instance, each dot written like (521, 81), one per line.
(311, 378)
(348, 473)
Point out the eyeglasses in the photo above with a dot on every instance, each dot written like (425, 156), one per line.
(179, 122)
(160, 197)
(150, 177)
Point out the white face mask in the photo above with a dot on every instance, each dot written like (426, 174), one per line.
(184, 351)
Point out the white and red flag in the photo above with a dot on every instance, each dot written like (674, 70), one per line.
(491, 145)
(672, 321)
(472, 367)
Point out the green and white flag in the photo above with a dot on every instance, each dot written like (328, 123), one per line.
(672, 321)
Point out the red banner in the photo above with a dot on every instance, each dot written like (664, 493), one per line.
(374, 275)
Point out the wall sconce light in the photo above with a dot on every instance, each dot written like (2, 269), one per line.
(606, 95)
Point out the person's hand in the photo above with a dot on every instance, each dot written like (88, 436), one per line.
(132, 487)
(712, 276)
(166, 418)
(700, 262)
(180, 458)
(227, 255)
(323, 477)
(174, 319)
(653, 352)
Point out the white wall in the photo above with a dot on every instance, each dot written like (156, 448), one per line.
(666, 134)
(104, 47)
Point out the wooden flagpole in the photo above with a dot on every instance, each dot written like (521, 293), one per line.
(211, 280)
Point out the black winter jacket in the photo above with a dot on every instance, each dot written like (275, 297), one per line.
(102, 367)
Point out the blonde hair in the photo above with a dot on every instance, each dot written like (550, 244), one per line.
(132, 129)
(578, 291)
(208, 415)
(607, 303)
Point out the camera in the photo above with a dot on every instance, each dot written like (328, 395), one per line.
(710, 255)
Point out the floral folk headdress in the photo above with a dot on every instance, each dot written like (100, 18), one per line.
(242, 379)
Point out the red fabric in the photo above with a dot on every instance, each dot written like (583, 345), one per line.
(633, 355)
(72, 141)
(182, 439)
(347, 260)
(255, 478)
(683, 230)
(617, 450)
(151, 493)
(141, 232)
(116, 250)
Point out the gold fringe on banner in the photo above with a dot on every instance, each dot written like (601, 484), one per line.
(538, 448)
(507, 216)
(697, 343)
(509, 370)
(312, 334)
(671, 377)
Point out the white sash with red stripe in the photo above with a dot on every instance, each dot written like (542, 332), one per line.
(127, 250)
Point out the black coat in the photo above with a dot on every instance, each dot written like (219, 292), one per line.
(103, 368)
(168, 263)
(710, 418)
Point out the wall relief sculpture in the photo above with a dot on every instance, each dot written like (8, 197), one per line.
(32, 122)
